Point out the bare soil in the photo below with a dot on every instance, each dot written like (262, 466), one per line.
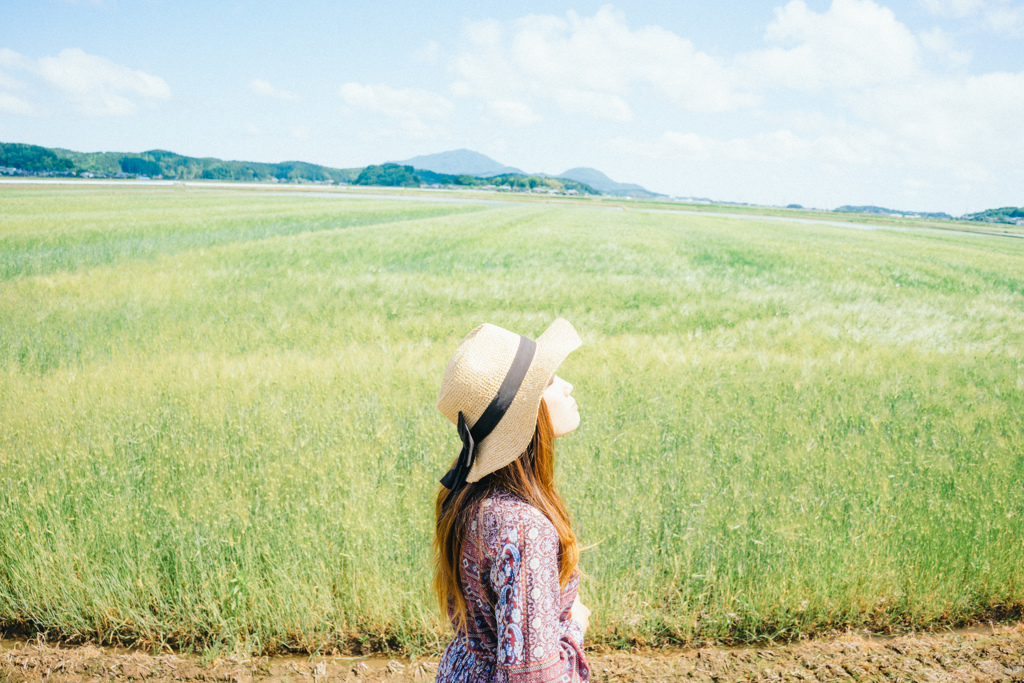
(979, 654)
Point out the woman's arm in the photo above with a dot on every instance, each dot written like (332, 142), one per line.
(535, 643)
(580, 613)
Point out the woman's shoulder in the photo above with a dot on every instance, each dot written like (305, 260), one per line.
(509, 515)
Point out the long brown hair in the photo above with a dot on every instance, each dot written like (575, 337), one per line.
(531, 477)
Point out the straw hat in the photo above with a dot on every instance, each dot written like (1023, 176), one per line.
(487, 362)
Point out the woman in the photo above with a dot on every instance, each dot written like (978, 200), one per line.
(505, 553)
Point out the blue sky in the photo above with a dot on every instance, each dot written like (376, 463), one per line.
(914, 104)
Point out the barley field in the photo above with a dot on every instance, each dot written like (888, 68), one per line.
(217, 422)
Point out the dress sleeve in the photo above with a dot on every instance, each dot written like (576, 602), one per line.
(537, 641)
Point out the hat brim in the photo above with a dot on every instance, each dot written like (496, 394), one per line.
(515, 430)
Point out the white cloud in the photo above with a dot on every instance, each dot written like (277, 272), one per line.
(958, 137)
(512, 113)
(968, 126)
(300, 132)
(597, 104)
(1005, 19)
(889, 109)
(847, 90)
(846, 145)
(854, 44)
(589, 65)
(397, 102)
(96, 86)
(9, 59)
(953, 121)
(250, 129)
(915, 184)
(939, 43)
(952, 8)
(264, 88)
(998, 16)
(498, 146)
(416, 113)
(7, 81)
(428, 53)
(11, 104)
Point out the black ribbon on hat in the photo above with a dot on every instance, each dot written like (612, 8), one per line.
(455, 479)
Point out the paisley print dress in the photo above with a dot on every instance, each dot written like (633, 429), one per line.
(518, 626)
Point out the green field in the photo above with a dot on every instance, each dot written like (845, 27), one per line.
(217, 422)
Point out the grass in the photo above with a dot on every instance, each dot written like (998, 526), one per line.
(217, 422)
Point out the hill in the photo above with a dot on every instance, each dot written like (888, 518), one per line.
(32, 159)
(20, 159)
(461, 162)
(401, 175)
(461, 167)
(158, 163)
(1007, 214)
(882, 211)
(599, 181)
(468, 162)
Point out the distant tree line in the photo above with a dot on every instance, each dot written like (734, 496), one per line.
(161, 163)
(158, 163)
(139, 166)
(395, 175)
(32, 158)
(882, 211)
(533, 182)
(388, 175)
(1007, 214)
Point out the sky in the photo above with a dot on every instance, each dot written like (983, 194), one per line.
(912, 104)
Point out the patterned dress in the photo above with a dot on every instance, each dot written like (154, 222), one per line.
(518, 626)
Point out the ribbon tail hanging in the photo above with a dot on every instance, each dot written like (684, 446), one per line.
(455, 478)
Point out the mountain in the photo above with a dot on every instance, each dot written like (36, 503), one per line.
(461, 162)
(468, 162)
(599, 181)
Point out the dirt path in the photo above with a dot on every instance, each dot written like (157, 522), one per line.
(989, 654)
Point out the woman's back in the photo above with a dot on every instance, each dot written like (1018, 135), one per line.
(518, 624)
